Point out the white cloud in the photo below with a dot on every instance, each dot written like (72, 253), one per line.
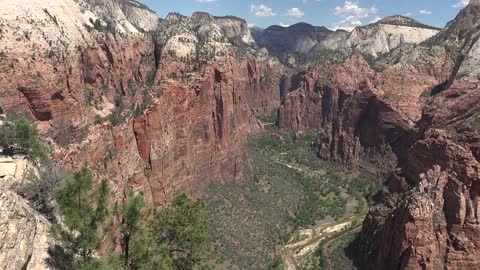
(295, 12)
(425, 12)
(284, 24)
(353, 9)
(262, 10)
(351, 15)
(408, 14)
(461, 4)
(250, 25)
(205, 1)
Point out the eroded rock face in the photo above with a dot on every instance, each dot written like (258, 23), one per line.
(24, 232)
(190, 136)
(291, 44)
(430, 211)
(193, 108)
(434, 224)
(354, 109)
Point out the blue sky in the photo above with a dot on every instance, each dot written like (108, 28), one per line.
(333, 14)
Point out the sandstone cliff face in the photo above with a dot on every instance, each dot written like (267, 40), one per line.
(135, 108)
(355, 109)
(431, 203)
(140, 15)
(61, 71)
(232, 27)
(421, 105)
(193, 134)
(385, 35)
(24, 232)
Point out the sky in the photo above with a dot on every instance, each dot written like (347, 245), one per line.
(333, 14)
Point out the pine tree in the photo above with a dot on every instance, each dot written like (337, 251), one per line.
(134, 241)
(138, 250)
(181, 231)
(84, 210)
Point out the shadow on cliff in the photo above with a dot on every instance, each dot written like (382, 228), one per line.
(58, 258)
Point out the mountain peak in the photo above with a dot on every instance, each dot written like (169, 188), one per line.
(404, 21)
(396, 19)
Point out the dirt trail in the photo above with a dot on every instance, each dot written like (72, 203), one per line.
(315, 235)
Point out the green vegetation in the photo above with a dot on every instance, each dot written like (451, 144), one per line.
(53, 18)
(182, 231)
(98, 26)
(19, 136)
(410, 22)
(117, 118)
(267, 75)
(372, 61)
(270, 121)
(338, 251)
(289, 188)
(476, 124)
(329, 56)
(427, 93)
(39, 190)
(173, 238)
(84, 211)
(146, 102)
(2, 56)
(204, 53)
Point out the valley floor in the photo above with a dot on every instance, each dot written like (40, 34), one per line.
(287, 215)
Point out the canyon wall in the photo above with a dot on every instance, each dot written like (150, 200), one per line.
(126, 102)
(419, 107)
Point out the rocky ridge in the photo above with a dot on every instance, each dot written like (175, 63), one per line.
(302, 43)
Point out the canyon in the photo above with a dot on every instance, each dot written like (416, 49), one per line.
(165, 106)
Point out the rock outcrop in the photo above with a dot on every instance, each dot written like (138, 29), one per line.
(24, 231)
(431, 202)
(385, 35)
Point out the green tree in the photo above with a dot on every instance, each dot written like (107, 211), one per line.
(181, 232)
(84, 211)
(134, 241)
(19, 136)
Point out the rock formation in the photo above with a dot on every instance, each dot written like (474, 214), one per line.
(302, 43)
(24, 232)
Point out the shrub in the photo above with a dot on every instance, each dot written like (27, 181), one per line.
(19, 136)
(38, 190)
(476, 124)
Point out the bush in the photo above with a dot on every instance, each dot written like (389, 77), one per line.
(39, 190)
(19, 136)
(476, 124)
